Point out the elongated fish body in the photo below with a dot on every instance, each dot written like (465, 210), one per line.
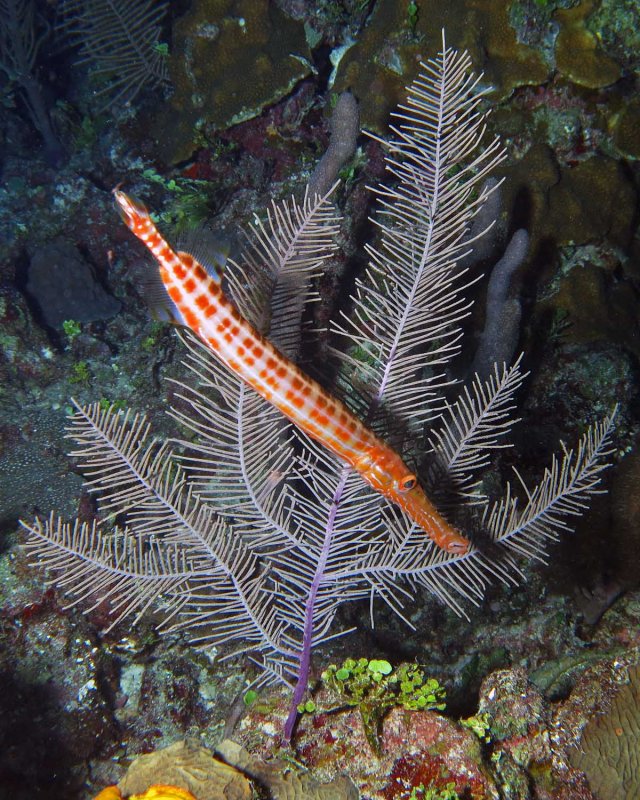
(202, 306)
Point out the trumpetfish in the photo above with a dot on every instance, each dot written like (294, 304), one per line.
(199, 303)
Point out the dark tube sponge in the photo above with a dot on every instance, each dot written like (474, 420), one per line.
(502, 324)
(345, 123)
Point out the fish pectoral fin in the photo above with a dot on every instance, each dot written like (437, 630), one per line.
(161, 306)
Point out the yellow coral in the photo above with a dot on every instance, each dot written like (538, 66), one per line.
(110, 793)
(156, 792)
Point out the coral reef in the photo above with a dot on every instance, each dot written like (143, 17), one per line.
(22, 35)
(579, 56)
(609, 747)
(499, 337)
(205, 533)
(63, 286)
(579, 320)
(219, 44)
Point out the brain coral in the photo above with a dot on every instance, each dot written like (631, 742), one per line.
(610, 747)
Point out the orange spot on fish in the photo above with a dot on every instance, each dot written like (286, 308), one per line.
(175, 294)
(190, 318)
(202, 301)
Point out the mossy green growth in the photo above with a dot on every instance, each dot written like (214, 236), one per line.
(250, 697)
(375, 687)
(412, 15)
(152, 340)
(80, 373)
(190, 204)
(112, 405)
(478, 724)
(72, 328)
(423, 792)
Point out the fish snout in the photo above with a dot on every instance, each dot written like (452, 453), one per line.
(129, 208)
(457, 544)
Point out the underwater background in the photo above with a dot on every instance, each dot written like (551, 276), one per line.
(208, 110)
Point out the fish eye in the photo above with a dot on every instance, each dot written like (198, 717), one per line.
(407, 483)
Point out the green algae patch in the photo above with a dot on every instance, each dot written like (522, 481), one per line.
(579, 55)
(230, 59)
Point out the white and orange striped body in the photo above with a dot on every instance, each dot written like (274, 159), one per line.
(203, 307)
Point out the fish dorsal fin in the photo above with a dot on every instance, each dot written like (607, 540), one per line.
(245, 289)
(208, 249)
(189, 260)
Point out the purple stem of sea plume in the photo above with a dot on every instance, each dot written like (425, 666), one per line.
(307, 639)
